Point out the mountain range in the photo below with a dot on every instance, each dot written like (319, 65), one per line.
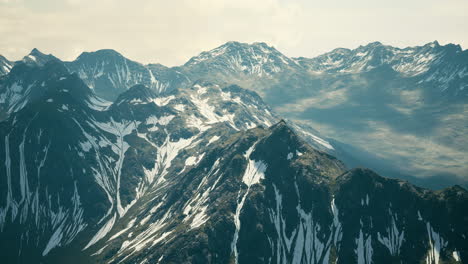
(107, 160)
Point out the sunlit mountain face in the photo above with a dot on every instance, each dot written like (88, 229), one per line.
(241, 155)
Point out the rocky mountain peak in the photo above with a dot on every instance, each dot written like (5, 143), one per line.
(36, 57)
(136, 93)
(35, 51)
(241, 58)
(433, 44)
(55, 68)
(281, 128)
(103, 54)
(373, 45)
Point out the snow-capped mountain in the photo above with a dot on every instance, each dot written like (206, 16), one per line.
(35, 57)
(410, 61)
(198, 174)
(26, 82)
(109, 73)
(397, 92)
(376, 98)
(235, 58)
(115, 152)
(444, 65)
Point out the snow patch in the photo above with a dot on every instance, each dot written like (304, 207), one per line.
(253, 174)
(179, 107)
(97, 103)
(85, 146)
(394, 239)
(255, 170)
(163, 120)
(436, 244)
(162, 101)
(190, 161)
(102, 232)
(213, 139)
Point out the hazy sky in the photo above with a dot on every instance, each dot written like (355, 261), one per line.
(171, 31)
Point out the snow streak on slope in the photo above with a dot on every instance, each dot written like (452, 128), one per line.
(303, 245)
(394, 239)
(436, 245)
(120, 130)
(319, 140)
(66, 232)
(108, 174)
(102, 232)
(364, 248)
(167, 152)
(195, 208)
(337, 227)
(208, 111)
(14, 97)
(252, 175)
(10, 202)
(59, 216)
(97, 103)
(146, 239)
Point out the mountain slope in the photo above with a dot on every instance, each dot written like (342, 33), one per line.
(410, 61)
(115, 154)
(37, 58)
(108, 73)
(5, 65)
(237, 58)
(270, 189)
(403, 106)
(26, 82)
(406, 106)
(444, 66)
(196, 175)
(43, 190)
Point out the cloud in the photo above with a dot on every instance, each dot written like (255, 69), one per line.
(170, 32)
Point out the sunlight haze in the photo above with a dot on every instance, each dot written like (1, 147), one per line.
(170, 32)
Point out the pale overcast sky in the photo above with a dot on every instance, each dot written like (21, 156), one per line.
(171, 31)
